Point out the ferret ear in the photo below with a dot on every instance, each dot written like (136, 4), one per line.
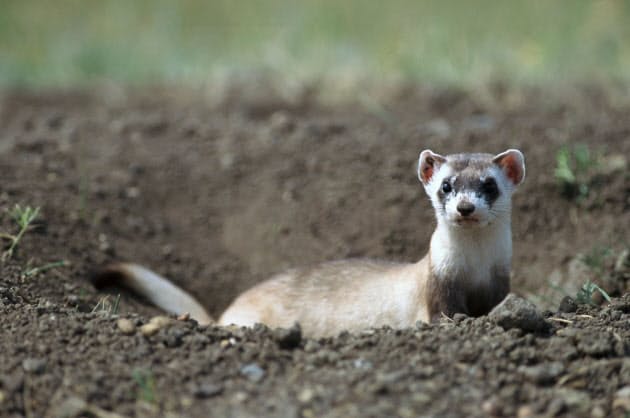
(512, 162)
(428, 163)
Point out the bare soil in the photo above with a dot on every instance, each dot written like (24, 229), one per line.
(219, 193)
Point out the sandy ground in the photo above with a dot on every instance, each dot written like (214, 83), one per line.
(219, 194)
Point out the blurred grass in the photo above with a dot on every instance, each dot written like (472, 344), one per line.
(68, 42)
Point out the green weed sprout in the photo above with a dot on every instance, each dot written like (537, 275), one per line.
(34, 271)
(144, 379)
(23, 216)
(585, 294)
(573, 168)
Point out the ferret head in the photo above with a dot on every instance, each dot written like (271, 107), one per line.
(471, 190)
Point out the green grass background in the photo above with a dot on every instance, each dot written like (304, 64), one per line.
(69, 42)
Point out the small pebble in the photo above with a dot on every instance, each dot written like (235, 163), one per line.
(149, 329)
(34, 365)
(186, 401)
(207, 390)
(126, 326)
(490, 407)
(598, 412)
(622, 399)
(567, 305)
(361, 363)
(240, 397)
(161, 320)
(155, 324)
(253, 372)
(228, 342)
(71, 407)
(306, 395)
(525, 411)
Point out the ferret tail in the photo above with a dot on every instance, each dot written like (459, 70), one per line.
(155, 288)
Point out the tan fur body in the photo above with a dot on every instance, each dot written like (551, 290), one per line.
(336, 296)
(466, 271)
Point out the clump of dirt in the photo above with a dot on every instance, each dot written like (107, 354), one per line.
(218, 195)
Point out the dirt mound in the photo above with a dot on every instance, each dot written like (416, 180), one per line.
(218, 195)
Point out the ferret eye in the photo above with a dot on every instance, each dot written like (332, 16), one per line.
(446, 186)
(490, 186)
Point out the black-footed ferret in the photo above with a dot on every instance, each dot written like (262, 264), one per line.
(467, 269)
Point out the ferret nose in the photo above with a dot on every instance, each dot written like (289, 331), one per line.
(465, 208)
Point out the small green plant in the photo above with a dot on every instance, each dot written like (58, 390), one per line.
(585, 294)
(146, 384)
(23, 216)
(574, 167)
(106, 306)
(34, 271)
